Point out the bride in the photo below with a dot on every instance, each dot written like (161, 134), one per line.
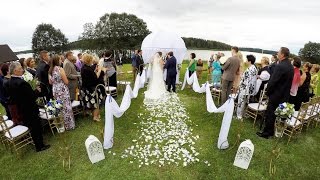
(156, 87)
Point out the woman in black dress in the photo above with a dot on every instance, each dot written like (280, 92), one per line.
(303, 90)
(90, 79)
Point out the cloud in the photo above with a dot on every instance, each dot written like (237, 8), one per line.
(267, 24)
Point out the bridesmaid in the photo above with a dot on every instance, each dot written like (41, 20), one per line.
(59, 81)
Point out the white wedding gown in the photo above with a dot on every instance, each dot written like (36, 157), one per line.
(156, 88)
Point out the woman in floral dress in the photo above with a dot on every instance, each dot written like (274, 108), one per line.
(247, 85)
(59, 81)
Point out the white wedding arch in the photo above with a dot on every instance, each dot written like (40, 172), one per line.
(164, 42)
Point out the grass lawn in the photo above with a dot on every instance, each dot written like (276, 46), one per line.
(298, 160)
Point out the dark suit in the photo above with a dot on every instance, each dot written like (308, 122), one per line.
(278, 91)
(171, 66)
(139, 62)
(22, 95)
(42, 75)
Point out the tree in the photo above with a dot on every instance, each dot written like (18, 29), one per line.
(88, 31)
(310, 52)
(114, 31)
(46, 37)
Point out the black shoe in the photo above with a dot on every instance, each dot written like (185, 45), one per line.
(263, 135)
(45, 147)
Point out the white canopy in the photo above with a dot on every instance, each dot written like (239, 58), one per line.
(164, 42)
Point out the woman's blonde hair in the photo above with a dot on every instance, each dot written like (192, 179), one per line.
(265, 60)
(240, 56)
(316, 67)
(87, 59)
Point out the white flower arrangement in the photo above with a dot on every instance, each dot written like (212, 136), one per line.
(27, 76)
(284, 110)
(30, 79)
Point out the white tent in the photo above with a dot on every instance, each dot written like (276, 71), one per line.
(165, 42)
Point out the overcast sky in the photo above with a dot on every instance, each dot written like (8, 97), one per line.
(267, 24)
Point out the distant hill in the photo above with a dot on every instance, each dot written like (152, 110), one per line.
(191, 43)
(196, 43)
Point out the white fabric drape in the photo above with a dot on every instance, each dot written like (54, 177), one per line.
(194, 81)
(112, 108)
(228, 107)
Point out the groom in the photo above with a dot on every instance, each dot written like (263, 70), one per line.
(171, 66)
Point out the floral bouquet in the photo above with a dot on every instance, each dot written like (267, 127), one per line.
(283, 112)
(29, 79)
(54, 107)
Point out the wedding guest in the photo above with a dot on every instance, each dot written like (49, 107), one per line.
(31, 66)
(42, 75)
(303, 90)
(296, 81)
(4, 98)
(314, 79)
(278, 90)
(262, 77)
(95, 66)
(71, 74)
(89, 82)
(216, 72)
(237, 79)
(274, 62)
(192, 64)
(59, 81)
(23, 63)
(26, 104)
(231, 69)
(199, 68)
(210, 62)
(134, 64)
(62, 60)
(109, 63)
(139, 61)
(247, 85)
(79, 62)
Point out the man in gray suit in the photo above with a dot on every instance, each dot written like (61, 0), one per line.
(71, 74)
(230, 69)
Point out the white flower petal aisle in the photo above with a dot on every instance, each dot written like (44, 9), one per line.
(164, 137)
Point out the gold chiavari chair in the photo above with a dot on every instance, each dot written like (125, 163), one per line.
(295, 124)
(254, 110)
(17, 137)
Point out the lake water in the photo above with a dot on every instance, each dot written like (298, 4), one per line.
(205, 55)
(200, 54)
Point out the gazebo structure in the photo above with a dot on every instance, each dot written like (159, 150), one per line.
(6, 54)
